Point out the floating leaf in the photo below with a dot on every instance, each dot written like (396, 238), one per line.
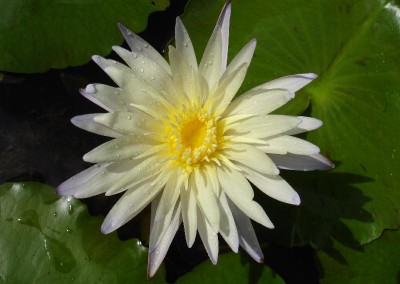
(231, 268)
(38, 35)
(377, 262)
(46, 238)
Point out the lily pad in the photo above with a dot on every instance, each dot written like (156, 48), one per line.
(231, 268)
(377, 262)
(46, 238)
(39, 35)
(354, 48)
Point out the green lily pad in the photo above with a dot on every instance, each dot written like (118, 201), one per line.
(38, 35)
(231, 268)
(46, 238)
(377, 262)
(354, 48)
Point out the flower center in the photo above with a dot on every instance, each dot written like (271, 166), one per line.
(192, 137)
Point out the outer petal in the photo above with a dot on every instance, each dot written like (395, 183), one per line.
(273, 186)
(86, 122)
(184, 77)
(293, 83)
(223, 24)
(128, 123)
(70, 186)
(157, 254)
(306, 124)
(228, 88)
(107, 97)
(189, 215)
(227, 227)
(262, 127)
(140, 92)
(247, 236)
(289, 144)
(146, 69)
(138, 45)
(184, 45)
(230, 180)
(259, 102)
(165, 210)
(130, 204)
(135, 172)
(252, 158)
(208, 236)
(210, 65)
(243, 57)
(302, 162)
(206, 199)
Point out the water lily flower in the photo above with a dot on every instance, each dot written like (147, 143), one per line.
(184, 144)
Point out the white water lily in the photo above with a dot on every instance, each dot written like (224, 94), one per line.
(182, 143)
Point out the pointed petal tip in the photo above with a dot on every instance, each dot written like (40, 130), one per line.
(261, 260)
(296, 200)
(105, 229)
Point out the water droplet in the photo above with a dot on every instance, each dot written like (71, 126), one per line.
(146, 46)
(135, 55)
(129, 117)
(55, 214)
(70, 209)
(152, 78)
(141, 70)
(30, 218)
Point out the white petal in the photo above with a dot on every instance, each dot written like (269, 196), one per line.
(104, 179)
(129, 205)
(137, 123)
(138, 45)
(302, 162)
(243, 57)
(184, 77)
(252, 158)
(86, 122)
(210, 65)
(146, 69)
(138, 170)
(306, 124)
(273, 186)
(107, 97)
(247, 236)
(227, 227)
(165, 210)
(184, 45)
(157, 254)
(140, 92)
(289, 144)
(227, 89)
(293, 83)
(70, 186)
(206, 199)
(118, 149)
(263, 126)
(189, 215)
(259, 102)
(208, 236)
(230, 181)
(223, 24)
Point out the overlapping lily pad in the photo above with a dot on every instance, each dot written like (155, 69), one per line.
(46, 238)
(38, 35)
(354, 48)
(376, 262)
(231, 268)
